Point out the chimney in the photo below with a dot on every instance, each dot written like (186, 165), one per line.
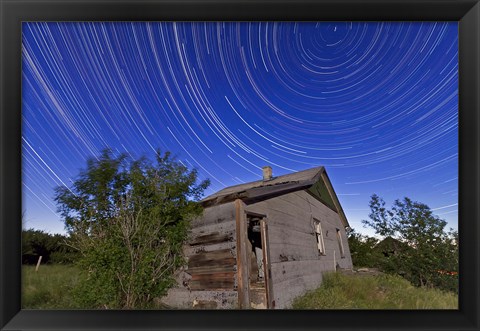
(267, 173)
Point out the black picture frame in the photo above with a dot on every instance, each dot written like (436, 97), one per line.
(13, 12)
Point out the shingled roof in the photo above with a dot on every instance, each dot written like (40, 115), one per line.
(265, 189)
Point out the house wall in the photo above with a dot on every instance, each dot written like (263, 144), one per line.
(209, 279)
(295, 261)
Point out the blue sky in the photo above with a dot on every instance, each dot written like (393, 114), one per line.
(375, 103)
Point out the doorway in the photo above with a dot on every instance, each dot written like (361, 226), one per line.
(259, 273)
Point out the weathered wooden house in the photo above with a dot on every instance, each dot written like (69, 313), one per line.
(261, 244)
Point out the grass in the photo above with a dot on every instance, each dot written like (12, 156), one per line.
(340, 291)
(50, 287)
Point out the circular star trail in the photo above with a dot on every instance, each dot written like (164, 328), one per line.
(375, 103)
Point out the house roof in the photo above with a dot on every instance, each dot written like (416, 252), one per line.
(265, 189)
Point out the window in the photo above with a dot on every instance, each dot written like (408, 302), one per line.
(340, 243)
(319, 236)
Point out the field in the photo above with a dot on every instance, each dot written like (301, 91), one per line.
(340, 291)
(50, 287)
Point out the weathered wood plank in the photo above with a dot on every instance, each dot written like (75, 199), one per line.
(228, 267)
(214, 276)
(211, 264)
(211, 238)
(223, 227)
(210, 282)
(209, 285)
(210, 258)
(215, 215)
(192, 250)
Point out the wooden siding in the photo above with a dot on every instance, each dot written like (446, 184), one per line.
(214, 272)
(211, 234)
(219, 214)
(211, 250)
(296, 263)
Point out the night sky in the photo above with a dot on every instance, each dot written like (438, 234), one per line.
(375, 103)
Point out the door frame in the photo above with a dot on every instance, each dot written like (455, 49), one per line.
(267, 268)
(243, 283)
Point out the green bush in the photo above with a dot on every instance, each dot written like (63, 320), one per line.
(362, 250)
(129, 220)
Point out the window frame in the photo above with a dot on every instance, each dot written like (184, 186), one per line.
(340, 243)
(319, 237)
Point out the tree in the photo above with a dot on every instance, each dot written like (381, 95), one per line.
(431, 249)
(129, 219)
(52, 248)
(362, 249)
(36, 243)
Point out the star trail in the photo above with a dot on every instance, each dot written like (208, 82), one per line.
(376, 103)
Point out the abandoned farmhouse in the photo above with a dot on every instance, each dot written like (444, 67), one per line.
(262, 244)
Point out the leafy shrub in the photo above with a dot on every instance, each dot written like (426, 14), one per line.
(129, 220)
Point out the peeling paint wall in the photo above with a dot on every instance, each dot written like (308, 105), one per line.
(209, 281)
(297, 265)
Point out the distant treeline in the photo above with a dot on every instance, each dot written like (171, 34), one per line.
(52, 248)
(415, 244)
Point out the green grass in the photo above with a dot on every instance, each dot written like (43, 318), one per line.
(340, 291)
(50, 287)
